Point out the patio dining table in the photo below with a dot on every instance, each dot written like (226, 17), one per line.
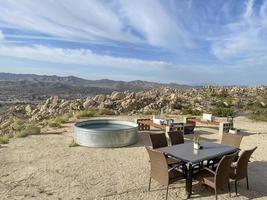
(186, 153)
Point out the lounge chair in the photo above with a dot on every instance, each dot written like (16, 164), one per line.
(240, 170)
(160, 170)
(176, 137)
(219, 179)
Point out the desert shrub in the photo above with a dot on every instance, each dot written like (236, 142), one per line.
(73, 144)
(105, 111)
(223, 94)
(222, 111)
(30, 130)
(258, 115)
(178, 106)
(85, 113)
(149, 112)
(21, 134)
(4, 139)
(18, 125)
(53, 123)
(190, 111)
(56, 121)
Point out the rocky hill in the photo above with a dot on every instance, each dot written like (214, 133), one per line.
(31, 87)
(220, 101)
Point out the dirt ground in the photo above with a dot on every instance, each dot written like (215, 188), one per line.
(45, 167)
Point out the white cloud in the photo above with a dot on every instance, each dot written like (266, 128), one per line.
(2, 37)
(248, 8)
(79, 57)
(155, 23)
(98, 20)
(244, 39)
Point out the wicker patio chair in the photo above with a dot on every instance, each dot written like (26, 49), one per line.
(219, 179)
(176, 137)
(240, 170)
(160, 170)
(159, 140)
(229, 139)
(233, 140)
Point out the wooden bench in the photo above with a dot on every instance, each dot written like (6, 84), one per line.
(146, 124)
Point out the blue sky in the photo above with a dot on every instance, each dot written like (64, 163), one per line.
(220, 42)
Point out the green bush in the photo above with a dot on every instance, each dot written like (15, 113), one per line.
(56, 121)
(18, 125)
(222, 111)
(21, 134)
(193, 112)
(30, 130)
(259, 115)
(53, 123)
(85, 113)
(4, 139)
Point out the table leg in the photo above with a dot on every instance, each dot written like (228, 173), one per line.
(189, 181)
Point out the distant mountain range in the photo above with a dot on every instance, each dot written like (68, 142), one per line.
(35, 87)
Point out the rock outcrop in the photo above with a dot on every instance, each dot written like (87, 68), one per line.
(153, 101)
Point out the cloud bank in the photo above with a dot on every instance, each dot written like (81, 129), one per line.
(173, 38)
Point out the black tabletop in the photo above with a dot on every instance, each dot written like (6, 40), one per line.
(187, 153)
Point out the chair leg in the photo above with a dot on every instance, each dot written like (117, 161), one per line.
(247, 183)
(236, 187)
(229, 189)
(167, 192)
(149, 184)
(216, 196)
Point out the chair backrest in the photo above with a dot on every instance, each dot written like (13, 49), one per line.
(176, 137)
(223, 171)
(233, 140)
(242, 163)
(158, 140)
(159, 166)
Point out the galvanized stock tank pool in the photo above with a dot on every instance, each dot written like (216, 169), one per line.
(105, 133)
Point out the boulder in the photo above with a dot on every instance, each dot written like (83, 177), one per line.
(55, 100)
(6, 124)
(28, 109)
(117, 95)
(89, 103)
(99, 98)
(64, 104)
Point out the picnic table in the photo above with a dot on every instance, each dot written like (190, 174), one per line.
(186, 153)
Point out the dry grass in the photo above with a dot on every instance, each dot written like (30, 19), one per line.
(4, 139)
(85, 113)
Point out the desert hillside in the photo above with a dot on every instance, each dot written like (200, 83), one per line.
(46, 167)
(31, 87)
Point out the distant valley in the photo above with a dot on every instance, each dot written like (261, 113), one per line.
(31, 87)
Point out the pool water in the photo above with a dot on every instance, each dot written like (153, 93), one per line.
(105, 126)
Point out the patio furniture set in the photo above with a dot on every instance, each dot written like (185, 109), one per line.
(215, 165)
(186, 128)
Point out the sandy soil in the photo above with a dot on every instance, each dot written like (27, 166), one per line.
(44, 167)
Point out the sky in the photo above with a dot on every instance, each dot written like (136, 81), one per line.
(221, 42)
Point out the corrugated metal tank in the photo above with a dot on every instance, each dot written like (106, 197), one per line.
(105, 133)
